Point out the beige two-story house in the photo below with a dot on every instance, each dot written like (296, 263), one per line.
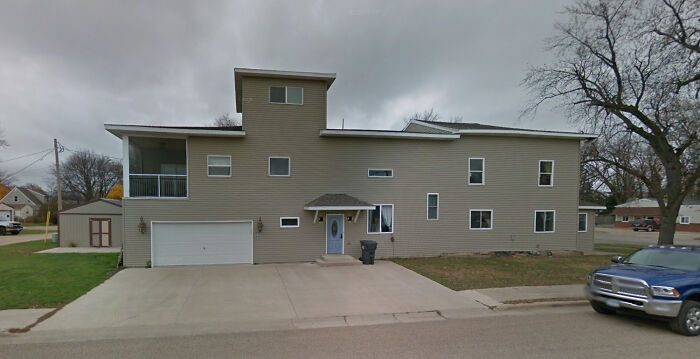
(284, 188)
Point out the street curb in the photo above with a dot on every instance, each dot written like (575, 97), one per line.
(543, 304)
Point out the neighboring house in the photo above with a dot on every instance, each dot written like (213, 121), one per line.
(25, 201)
(647, 208)
(284, 188)
(93, 224)
(7, 213)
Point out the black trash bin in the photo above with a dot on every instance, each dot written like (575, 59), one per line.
(368, 248)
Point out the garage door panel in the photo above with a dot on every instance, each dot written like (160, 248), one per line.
(193, 243)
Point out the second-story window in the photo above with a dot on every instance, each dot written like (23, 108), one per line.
(279, 166)
(288, 95)
(219, 166)
(546, 175)
(476, 171)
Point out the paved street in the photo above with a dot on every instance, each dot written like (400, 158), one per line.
(627, 235)
(565, 332)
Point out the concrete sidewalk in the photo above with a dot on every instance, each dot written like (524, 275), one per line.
(501, 298)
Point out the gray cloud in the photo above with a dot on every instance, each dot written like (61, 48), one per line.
(68, 67)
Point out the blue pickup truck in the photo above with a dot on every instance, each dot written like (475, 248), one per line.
(661, 282)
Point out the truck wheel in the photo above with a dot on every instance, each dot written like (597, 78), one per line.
(601, 308)
(635, 229)
(688, 320)
(650, 229)
(2, 231)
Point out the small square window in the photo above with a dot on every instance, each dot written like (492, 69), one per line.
(278, 95)
(295, 95)
(279, 166)
(289, 222)
(625, 218)
(582, 222)
(685, 220)
(219, 166)
(480, 219)
(386, 173)
(546, 174)
(544, 221)
(476, 171)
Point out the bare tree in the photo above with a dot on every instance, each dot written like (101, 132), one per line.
(3, 142)
(89, 174)
(226, 120)
(630, 70)
(426, 115)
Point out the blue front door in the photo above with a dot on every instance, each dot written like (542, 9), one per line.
(334, 233)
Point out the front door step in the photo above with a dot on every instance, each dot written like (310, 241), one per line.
(331, 260)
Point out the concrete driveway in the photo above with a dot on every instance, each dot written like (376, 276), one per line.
(252, 293)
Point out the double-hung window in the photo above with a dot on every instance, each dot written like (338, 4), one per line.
(219, 166)
(287, 95)
(433, 203)
(546, 173)
(279, 166)
(480, 219)
(381, 219)
(582, 222)
(477, 171)
(544, 221)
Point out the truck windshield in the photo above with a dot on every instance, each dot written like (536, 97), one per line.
(668, 258)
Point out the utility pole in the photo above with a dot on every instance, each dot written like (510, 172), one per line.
(58, 175)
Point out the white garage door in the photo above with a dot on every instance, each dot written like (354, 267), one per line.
(192, 243)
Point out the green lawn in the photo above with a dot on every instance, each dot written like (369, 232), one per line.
(474, 272)
(36, 231)
(35, 224)
(30, 280)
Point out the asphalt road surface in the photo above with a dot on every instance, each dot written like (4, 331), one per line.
(574, 332)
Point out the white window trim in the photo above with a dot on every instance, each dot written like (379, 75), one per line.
(230, 170)
(586, 222)
(427, 207)
(289, 166)
(393, 219)
(554, 224)
(686, 217)
(483, 171)
(380, 169)
(286, 96)
(480, 210)
(622, 219)
(539, 165)
(16, 199)
(284, 226)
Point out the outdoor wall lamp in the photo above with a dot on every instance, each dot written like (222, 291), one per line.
(142, 226)
(260, 224)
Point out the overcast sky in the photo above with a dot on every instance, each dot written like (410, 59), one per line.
(68, 67)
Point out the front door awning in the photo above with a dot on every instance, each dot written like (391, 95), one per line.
(338, 202)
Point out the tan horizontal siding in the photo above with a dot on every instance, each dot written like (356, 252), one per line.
(339, 165)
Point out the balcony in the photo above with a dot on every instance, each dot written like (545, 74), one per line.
(157, 167)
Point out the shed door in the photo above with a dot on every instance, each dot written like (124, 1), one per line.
(195, 243)
(100, 232)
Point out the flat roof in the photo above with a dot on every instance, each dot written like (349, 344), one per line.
(174, 131)
(239, 73)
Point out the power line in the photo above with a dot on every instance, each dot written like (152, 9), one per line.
(23, 156)
(62, 147)
(27, 166)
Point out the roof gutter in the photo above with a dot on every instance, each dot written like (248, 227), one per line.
(597, 208)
